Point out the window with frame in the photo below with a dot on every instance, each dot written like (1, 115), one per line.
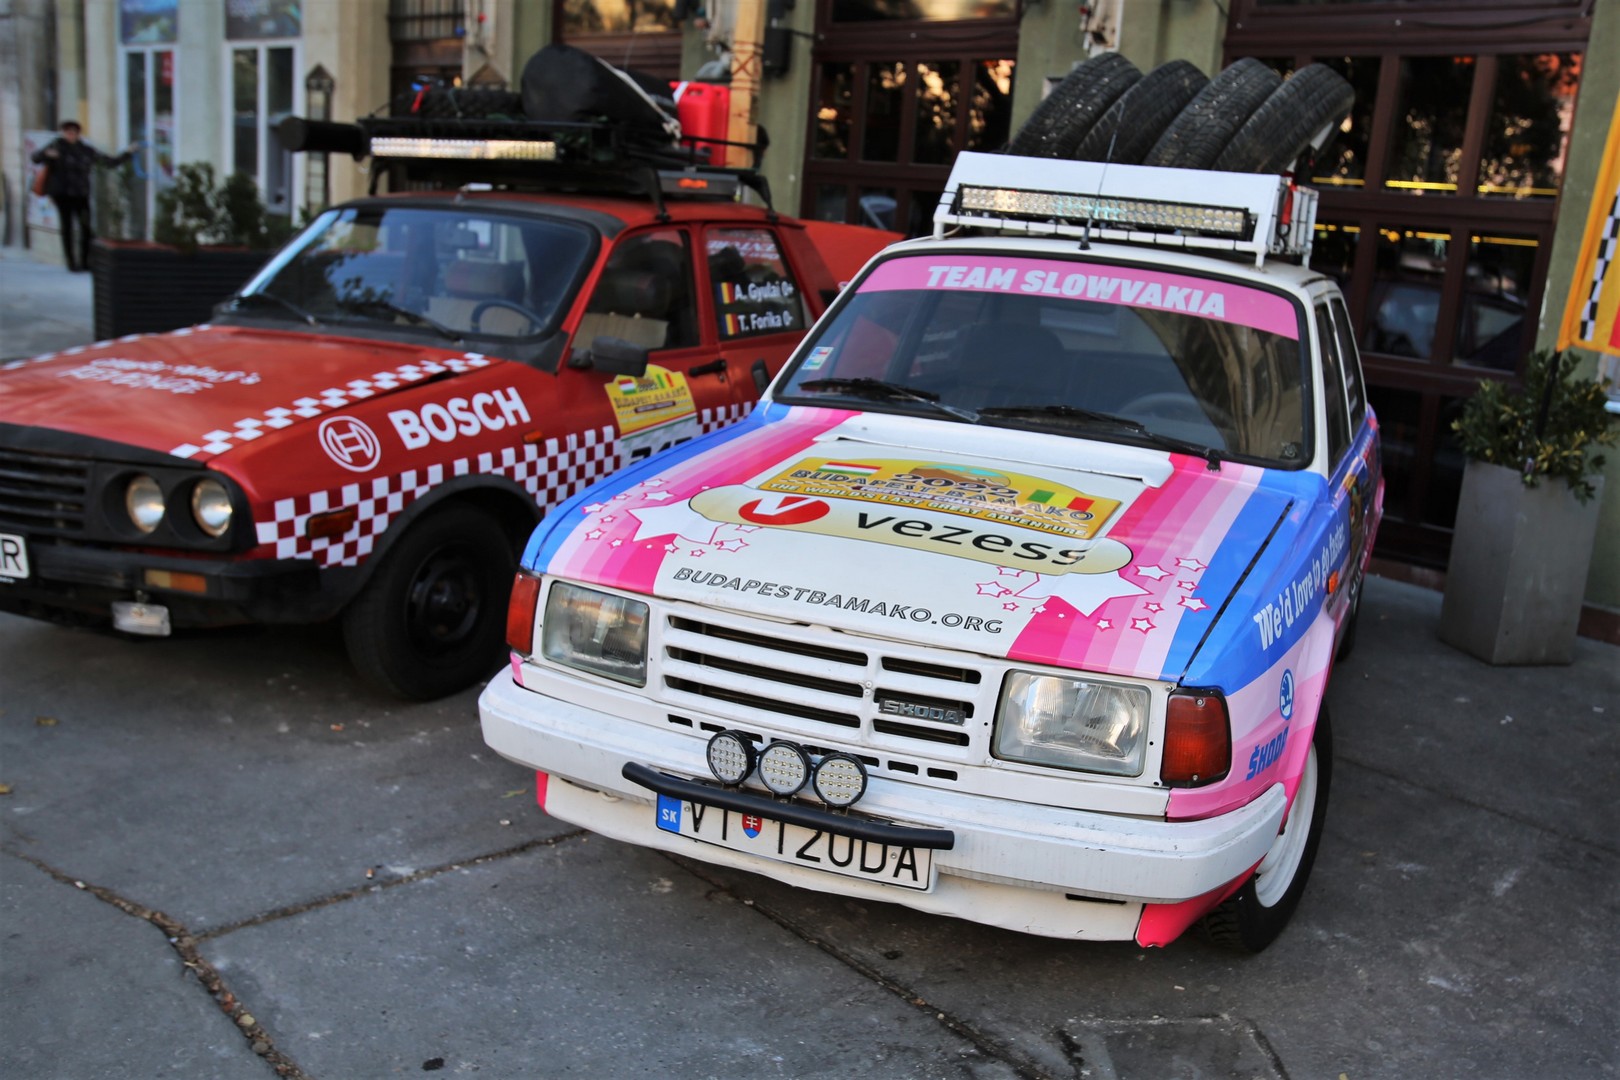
(265, 90)
(754, 290)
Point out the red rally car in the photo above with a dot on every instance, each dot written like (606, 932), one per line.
(373, 424)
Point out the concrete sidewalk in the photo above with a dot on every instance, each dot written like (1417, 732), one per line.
(43, 307)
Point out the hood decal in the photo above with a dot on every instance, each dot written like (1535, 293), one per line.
(782, 518)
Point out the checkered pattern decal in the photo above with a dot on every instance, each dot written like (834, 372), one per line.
(551, 473)
(1608, 248)
(325, 401)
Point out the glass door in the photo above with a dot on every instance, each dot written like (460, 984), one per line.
(149, 120)
(264, 91)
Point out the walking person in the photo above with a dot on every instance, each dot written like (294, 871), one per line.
(70, 159)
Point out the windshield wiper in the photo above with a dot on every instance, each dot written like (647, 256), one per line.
(407, 314)
(1092, 418)
(877, 388)
(245, 299)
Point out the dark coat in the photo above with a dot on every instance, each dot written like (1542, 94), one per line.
(70, 170)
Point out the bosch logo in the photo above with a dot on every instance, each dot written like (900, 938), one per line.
(448, 420)
(918, 711)
(350, 443)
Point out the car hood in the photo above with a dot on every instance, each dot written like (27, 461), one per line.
(1033, 547)
(200, 392)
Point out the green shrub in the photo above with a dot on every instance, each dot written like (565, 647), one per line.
(1548, 428)
(199, 211)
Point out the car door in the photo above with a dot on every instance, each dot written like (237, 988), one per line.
(757, 307)
(645, 295)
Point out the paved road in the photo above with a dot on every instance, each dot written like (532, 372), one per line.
(220, 856)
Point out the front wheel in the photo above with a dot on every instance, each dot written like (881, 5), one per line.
(1253, 917)
(432, 619)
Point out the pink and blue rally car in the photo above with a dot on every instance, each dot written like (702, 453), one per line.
(1017, 597)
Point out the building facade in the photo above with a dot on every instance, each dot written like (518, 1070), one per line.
(1452, 204)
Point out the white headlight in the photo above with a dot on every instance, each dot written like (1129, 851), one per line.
(596, 632)
(143, 501)
(1072, 723)
(211, 506)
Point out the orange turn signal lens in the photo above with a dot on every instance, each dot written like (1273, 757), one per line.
(178, 580)
(1197, 739)
(520, 613)
(331, 523)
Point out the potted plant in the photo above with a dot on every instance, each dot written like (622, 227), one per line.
(1528, 514)
(208, 240)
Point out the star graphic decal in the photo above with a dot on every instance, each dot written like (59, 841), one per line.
(658, 496)
(1151, 572)
(608, 519)
(1192, 603)
(1188, 585)
(745, 528)
(671, 548)
(1144, 625)
(731, 545)
(990, 588)
(1104, 624)
(616, 543)
(1039, 610)
(652, 483)
(695, 553)
(1155, 608)
(594, 534)
(1192, 564)
(593, 508)
(1009, 607)
(1011, 571)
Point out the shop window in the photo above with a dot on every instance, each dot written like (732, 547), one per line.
(885, 88)
(149, 120)
(1333, 251)
(754, 292)
(617, 16)
(263, 93)
(1528, 129)
(1345, 164)
(930, 10)
(990, 110)
(1405, 303)
(835, 112)
(939, 90)
(1431, 118)
(1491, 321)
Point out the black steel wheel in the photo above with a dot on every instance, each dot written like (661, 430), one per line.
(1196, 137)
(432, 619)
(1301, 112)
(1252, 917)
(1059, 123)
(1130, 127)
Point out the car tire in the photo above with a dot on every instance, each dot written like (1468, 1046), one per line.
(1196, 137)
(1130, 127)
(1252, 917)
(432, 618)
(1058, 124)
(1284, 125)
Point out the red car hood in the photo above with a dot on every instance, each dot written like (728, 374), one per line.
(196, 393)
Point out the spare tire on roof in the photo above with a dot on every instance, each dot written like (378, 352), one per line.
(563, 84)
(1196, 137)
(1302, 112)
(1059, 123)
(1130, 127)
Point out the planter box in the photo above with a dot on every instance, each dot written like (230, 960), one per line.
(1519, 559)
(143, 288)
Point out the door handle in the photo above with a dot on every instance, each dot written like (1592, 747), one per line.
(713, 367)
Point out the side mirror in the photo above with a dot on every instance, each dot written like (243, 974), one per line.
(615, 356)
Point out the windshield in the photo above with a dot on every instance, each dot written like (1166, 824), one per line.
(448, 272)
(1065, 345)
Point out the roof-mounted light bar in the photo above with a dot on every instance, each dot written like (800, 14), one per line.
(1239, 212)
(400, 146)
(1232, 222)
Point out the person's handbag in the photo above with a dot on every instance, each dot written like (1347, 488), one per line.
(42, 179)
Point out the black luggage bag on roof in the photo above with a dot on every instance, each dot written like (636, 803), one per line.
(562, 83)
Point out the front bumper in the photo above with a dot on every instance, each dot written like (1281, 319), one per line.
(1027, 867)
(77, 583)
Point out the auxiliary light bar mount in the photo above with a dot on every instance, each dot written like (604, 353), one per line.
(1135, 204)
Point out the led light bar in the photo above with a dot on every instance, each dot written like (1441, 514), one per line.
(1225, 221)
(400, 146)
(1252, 213)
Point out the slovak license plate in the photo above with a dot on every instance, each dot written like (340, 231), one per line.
(887, 864)
(13, 557)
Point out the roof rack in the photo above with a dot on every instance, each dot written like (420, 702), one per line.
(1134, 204)
(525, 155)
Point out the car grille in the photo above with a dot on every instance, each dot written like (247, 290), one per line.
(42, 494)
(820, 684)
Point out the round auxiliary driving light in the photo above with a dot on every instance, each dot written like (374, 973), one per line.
(840, 780)
(731, 758)
(784, 768)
